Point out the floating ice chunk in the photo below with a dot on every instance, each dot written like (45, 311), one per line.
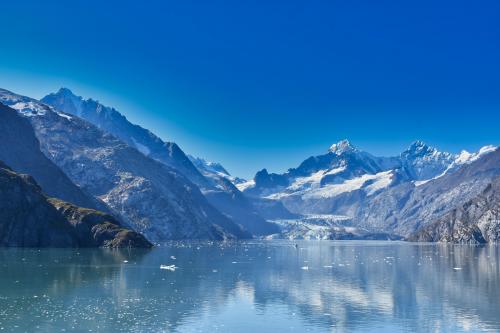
(125, 261)
(306, 268)
(457, 268)
(173, 257)
(171, 268)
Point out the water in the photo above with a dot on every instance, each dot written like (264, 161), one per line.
(253, 287)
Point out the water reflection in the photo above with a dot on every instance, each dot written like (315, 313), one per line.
(266, 286)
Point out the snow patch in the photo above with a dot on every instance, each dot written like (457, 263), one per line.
(140, 147)
(246, 185)
(314, 180)
(379, 181)
(29, 109)
(64, 115)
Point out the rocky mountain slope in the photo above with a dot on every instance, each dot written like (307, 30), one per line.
(224, 195)
(20, 149)
(111, 121)
(29, 219)
(149, 196)
(406, 208)
(477, 221)
(211, 180)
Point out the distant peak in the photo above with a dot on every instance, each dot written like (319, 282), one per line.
(341, 147)
(65, 91)
(419, 146)
(420, 149)
(263, 172)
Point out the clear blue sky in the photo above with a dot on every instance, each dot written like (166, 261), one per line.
(256, 84)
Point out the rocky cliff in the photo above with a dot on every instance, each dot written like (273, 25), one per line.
(477, 221)
(30, 219)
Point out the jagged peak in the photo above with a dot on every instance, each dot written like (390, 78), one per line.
(208, 165)
(262, 172)
(341, 147)
(419, 146)
(65, 91)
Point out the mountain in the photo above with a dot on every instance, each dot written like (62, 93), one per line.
(224, 195)
(30, 219)
(407, 209)
(211, 167)
(111, 121)
(321, 175)
(212, 179)
(20, 149)
(394, 194)
(477, 221)
(422, 162)
(149, 196)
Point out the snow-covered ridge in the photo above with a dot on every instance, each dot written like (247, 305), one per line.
(464, 157)
(342, 147)
(26, 106)
(345, 169)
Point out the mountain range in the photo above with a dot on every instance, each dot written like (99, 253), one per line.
(93, 157)
(386, 194)
(151, 197)
(220, 192)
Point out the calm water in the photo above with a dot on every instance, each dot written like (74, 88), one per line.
(253, 287)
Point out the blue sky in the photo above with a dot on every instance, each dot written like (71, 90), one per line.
(256, 84)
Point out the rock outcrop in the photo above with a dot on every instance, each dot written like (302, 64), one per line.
(475, 222)
(30, 219)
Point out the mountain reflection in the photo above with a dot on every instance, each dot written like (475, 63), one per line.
(321, 286)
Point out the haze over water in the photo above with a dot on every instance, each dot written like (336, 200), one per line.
(317, 286)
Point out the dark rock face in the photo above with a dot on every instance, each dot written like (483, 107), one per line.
(20, 149)
(29, 219)
(263, 178)
(475, 222)
(94, 228)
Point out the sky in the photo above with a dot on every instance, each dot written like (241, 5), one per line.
(255, 84)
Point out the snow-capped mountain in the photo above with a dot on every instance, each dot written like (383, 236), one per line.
(422, 162)
(212, 179)
(214, 170)
(151, 197)
(345, 180)
(343, 168)
(110, 120)
(406, 208)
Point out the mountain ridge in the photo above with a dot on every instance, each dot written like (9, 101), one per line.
(220, 192)
(148, 195)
